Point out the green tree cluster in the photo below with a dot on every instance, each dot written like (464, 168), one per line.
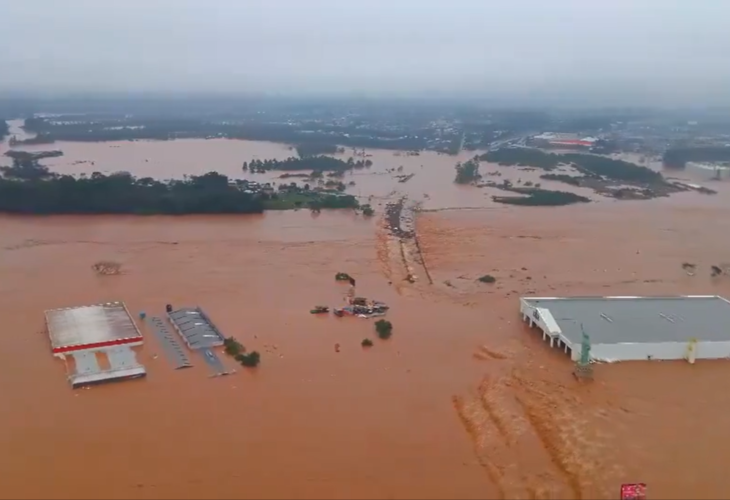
(591, 165)
(467, 172)
(315, 163)
(234, 348)
(564, 178)
(678, 157)
(30, 189)
(384, 329)
(541, 198)
(367, 210)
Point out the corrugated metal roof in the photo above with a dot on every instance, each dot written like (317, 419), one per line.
(197, 329)
(78, 326)
(609, 320)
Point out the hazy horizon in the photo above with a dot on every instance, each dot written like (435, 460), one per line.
(650, 52)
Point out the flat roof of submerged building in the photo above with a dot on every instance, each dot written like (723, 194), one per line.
(634, 319)
(91, 327)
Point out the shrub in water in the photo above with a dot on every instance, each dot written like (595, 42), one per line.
(250, 360)
(233, 347)
(384, 328)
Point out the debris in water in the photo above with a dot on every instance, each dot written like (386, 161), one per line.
(320, 310)
(107, 268)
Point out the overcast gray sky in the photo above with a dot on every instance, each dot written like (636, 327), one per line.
(656, 50)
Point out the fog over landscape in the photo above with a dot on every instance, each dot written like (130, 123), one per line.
(620, 52)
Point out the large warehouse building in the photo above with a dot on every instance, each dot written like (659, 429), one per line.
(634, 328)
(82, 335)
(562, 141)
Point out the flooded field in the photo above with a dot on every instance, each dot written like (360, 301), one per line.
(462, 402)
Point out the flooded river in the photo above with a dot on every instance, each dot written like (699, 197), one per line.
(462, 402)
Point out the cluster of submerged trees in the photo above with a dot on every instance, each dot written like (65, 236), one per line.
(317, 149)
(541, 198)
(678, 157)
(234, 348)
(29, 188)
(314, 163)
(589, 165)
(467, 172)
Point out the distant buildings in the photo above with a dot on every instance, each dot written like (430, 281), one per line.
(562, 141)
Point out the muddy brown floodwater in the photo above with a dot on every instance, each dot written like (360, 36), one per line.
(462, 402)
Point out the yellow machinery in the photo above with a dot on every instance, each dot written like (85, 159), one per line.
(691, 353)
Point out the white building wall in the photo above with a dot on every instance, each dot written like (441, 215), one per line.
(660, 350)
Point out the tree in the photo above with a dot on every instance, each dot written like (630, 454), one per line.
(250, 360)
(467, 172)
(384, 329)
(233, 347)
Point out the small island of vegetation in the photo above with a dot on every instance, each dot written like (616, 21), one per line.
(317, 149)
(678, 157)
(467, 172)
(564, 178)
(589, 165)
(314, 163)
(32, 156)
(541, 198)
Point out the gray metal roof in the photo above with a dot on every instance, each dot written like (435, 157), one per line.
(77, 326)
(610, 320)
(197, 329)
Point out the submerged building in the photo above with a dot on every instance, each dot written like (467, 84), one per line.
(623, 328)
(88, 337)
(195, 328)
(562, 141)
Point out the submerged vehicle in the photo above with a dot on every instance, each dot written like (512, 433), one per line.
(369, 311)
(320, 310)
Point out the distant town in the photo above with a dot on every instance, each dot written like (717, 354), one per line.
(678, 137)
